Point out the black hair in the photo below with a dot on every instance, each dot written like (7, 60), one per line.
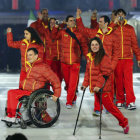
(43, 10)
(114, 11)
(119, 11)
(106, 19)
(98, 55)
(16, 136)
(69, 16)
(34, 35)
(49, 23)
(33, 49)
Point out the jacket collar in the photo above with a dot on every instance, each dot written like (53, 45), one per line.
(109, 31)
(90, 56)
(36, 62)
(27, 42)
(125, 22)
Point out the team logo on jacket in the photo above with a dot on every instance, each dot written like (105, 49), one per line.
(97, 35)
(23, 44)
(66, 35)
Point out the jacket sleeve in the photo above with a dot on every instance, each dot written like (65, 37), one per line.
(105, 69)
(86, 77)
(89, 32)
(40, 28)
(134, 43)
(53, 79)
(11, 43)
(84, 45)
(94, 23)
(56, 33)
(41, 51)
(115, 52)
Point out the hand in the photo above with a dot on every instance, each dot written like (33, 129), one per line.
(39, 15)
(116, 19)
(138, 63)
(54, 98)
(94, 14)
(56, 26)
(78, 13)
(96, 89)
(83, 88)
(9, 30)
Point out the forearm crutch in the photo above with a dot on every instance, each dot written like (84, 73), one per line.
(101, 91)
(79, 111)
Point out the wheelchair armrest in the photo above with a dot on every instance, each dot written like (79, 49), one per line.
(24, 98)
(47, 84)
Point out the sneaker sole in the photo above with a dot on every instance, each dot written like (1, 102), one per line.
(131, 108)
(94, 114)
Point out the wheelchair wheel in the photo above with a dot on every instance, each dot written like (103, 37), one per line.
(42, 110)
(24, 112)
(8, 124)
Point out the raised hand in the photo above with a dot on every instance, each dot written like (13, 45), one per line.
(94, 14)
(39, 15)
(78, 13)
(9, 30)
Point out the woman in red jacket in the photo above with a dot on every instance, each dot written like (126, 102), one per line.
(31, 40)
(98, 67)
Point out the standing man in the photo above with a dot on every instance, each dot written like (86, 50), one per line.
(109, 40)
(44, 22)
(72, 43)
(124, 70)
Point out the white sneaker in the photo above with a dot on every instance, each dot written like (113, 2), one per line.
(69, 106)
(12, 120)
(119, 105)
(5, 119)
(131, 106)
(8, 119)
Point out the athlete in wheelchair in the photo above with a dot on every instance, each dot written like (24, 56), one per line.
(40, 106)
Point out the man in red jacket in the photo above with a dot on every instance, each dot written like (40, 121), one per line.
(72, 43)
(109, 40)
(124, 70)
(37, 75)
(44, 22)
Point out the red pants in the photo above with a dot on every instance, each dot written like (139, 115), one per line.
(71, 76)
(124, 81)
(110, 106)
(22, 77)
(56, 67)
(97, 101)
(12, 100)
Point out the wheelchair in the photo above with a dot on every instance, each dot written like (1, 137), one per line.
(38, 109)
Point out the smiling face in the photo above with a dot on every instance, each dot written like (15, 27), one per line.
(44, 14)
(102, 23)
(52, 23)
(31, 56)
(95, 46)
(71, 22)
(27, 35)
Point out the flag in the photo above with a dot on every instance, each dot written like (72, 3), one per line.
(134, 3)
(32, 18)
(37, 5)
(111, 4)
(14, 4)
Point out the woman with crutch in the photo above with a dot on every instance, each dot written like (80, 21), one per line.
(98, 68)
